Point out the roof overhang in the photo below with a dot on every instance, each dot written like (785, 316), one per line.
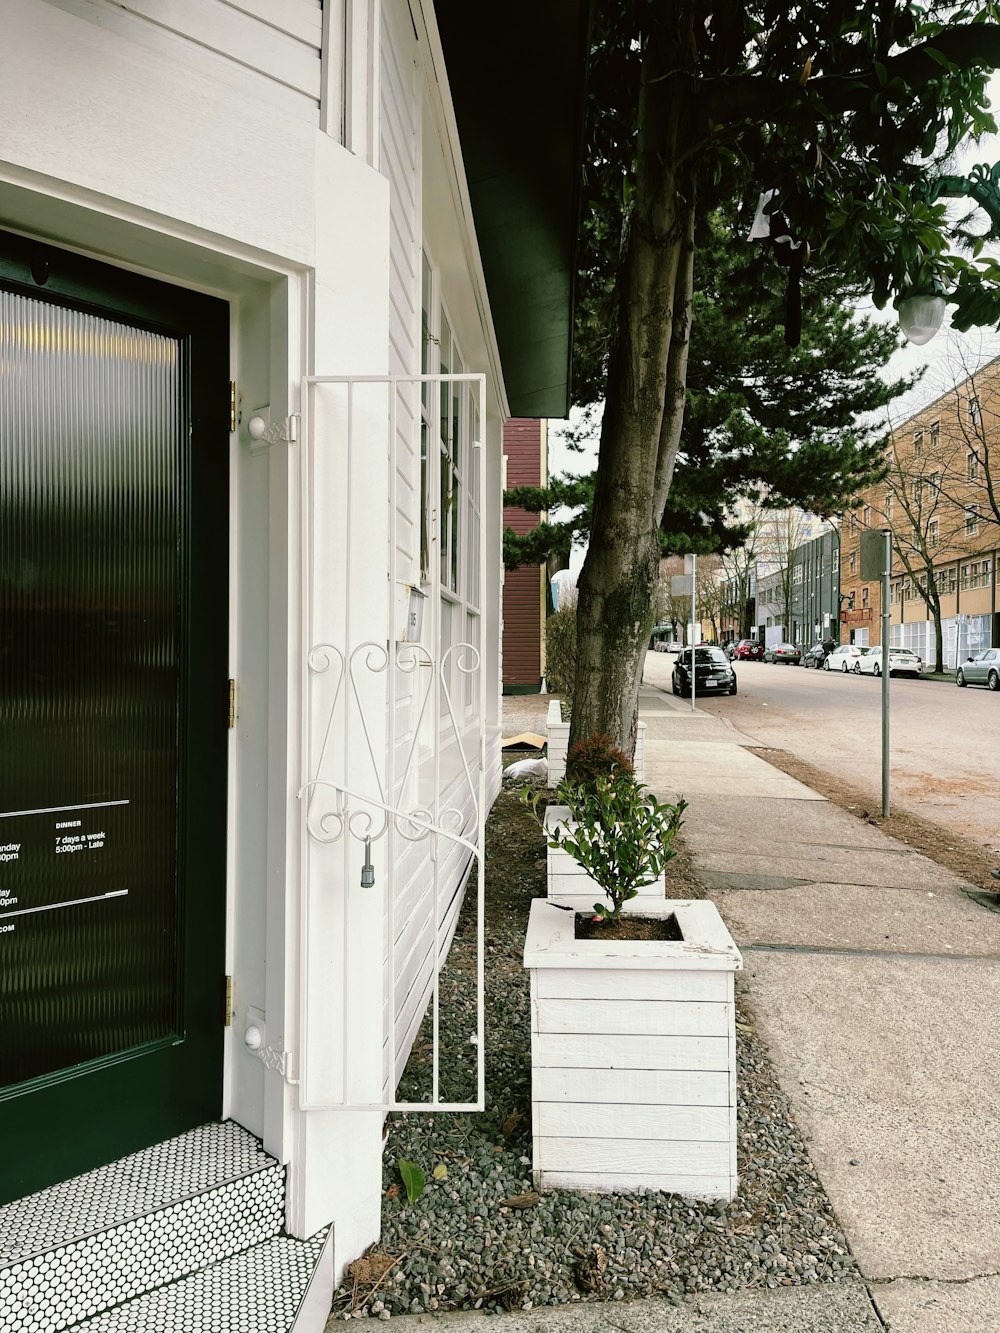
(518, 94)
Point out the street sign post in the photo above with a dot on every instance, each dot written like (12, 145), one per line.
(683, 585)
(876, 564)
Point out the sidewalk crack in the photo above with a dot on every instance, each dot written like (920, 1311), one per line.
(924, 1277)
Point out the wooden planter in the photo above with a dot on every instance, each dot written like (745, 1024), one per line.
(633, 1056)
(557, 732)
(569, 885)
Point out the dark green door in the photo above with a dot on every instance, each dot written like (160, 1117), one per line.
(113, 685)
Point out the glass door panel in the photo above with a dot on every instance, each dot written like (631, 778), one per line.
(91, 422)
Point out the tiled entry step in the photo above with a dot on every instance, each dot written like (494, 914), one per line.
(180, 1236)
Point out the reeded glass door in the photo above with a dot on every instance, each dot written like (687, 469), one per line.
(112, 755)
(90, 419)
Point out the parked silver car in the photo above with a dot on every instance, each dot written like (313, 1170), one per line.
(789, 653)
(982, 669)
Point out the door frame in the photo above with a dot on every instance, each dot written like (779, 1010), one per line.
(159, 1090)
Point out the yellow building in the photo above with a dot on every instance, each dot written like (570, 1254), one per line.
(941, 501)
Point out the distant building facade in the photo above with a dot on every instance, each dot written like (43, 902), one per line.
(525, 451)
(939, 501)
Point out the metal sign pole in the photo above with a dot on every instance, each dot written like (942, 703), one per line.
(694, 584)
(887, 534)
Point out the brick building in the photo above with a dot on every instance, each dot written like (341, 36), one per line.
(524, 600)
(939, 501)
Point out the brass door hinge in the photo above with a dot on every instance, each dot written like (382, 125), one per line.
(232, 704)
(232, 406)
(229, 1002)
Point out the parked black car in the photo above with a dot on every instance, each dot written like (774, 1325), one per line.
(814, 656)
(713, 673)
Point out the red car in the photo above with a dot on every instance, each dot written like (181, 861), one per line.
(747, 649)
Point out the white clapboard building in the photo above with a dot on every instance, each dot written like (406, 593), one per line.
(273, 273)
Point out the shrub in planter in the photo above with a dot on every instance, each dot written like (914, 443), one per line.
(557, 732)
(619, 833)
(633, 1039)
(614, 828)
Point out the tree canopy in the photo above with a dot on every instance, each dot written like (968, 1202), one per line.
(802, 426)
(846, 114)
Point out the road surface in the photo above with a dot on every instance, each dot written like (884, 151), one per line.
(944, 742)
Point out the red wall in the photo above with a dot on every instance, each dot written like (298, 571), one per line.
(522, 588)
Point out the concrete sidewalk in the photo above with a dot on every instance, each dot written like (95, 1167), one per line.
(875, 983)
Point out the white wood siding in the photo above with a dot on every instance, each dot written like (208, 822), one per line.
(280, 42)
(428, 881)
(410, 966)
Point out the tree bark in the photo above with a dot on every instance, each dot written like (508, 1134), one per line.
(644, 404)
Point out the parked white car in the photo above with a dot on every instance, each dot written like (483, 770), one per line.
(901, 662)
(843, 657)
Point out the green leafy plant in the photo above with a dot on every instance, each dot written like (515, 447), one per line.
(619, 833)
(413, 1179)
(560, 650)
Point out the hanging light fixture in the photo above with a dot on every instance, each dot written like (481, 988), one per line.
(920, 316)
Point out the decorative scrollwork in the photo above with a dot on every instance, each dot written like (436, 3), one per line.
(322, 656)
(326, 826)
(409, 656)
(466, 656)
(466, 659)
(348, 809)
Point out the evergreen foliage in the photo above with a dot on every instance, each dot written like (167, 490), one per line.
(560, 651)
(849, 114)
(595, 757)
(804, 426)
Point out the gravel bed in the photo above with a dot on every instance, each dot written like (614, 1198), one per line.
(478, 1238)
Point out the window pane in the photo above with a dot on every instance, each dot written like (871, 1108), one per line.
(425, 557)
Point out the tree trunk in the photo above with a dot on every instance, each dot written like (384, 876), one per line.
(644, 402)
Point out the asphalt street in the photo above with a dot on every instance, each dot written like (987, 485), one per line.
(944, 741)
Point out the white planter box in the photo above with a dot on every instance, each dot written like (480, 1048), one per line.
(633, 1056)
(557, 732)
(569, 885)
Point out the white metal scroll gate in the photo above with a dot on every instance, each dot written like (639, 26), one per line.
(377, 776)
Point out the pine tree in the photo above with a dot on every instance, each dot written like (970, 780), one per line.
(848, 112)
(800, 426)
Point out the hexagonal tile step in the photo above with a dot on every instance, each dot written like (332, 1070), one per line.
(101, 1239)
